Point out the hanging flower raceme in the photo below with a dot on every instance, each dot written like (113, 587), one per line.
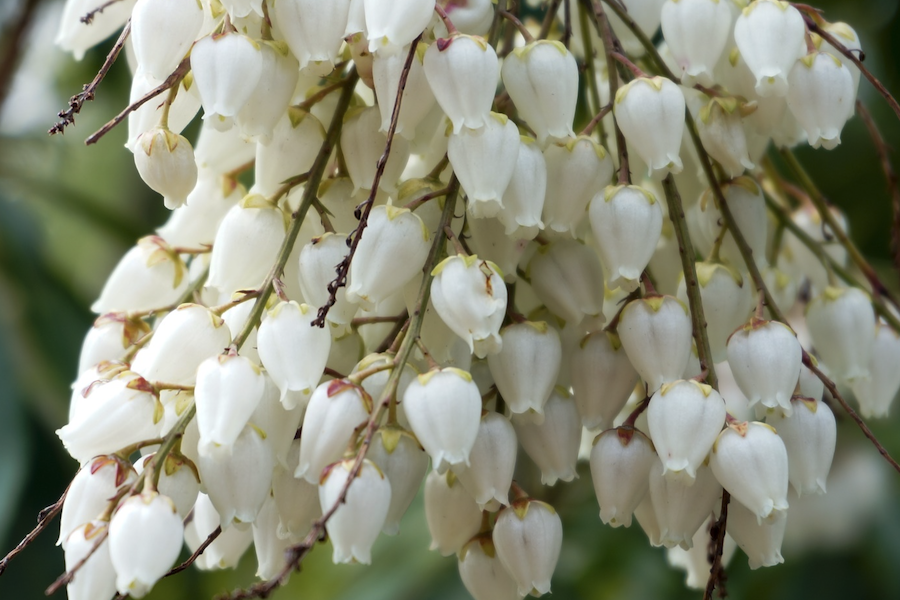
(650, 112)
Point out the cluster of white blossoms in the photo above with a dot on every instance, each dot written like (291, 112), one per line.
(503, 283)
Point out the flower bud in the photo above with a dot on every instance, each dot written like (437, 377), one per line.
(144, 541)
(90, 492)
(527, 366)
(650, 113)
(765, 358)
(841, 322)
(681, 509)
(417, 99)
(162, 33)
(770, 37)
(602, 379)
(296, 499)
(226, 550)
(621, 459)
(363, 143)
(493, 460)
(314, 30)
(577, 168)
(452, 515)
(227, 68)
(750, 461)
(656, 334)
(404, 462)
(876, 393)
(228, 390)
(809, 436)
(96, 577)
(567, 277)
(524, 197)
(265, 107)
(760, 541)
(482, 572)
(393, 24)
(528, 538)
(552, 443)
(696, 32)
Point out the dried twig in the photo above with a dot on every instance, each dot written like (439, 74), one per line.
(193, 557)
(45, 517)
(89, 17)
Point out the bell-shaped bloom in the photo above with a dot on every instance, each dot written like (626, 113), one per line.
(227, 69)
(490, 242)
(484, 159)
(363, 143)
(393, 24)
(876, 393)
(183, 339)
(295, 141)
(483, 574)
(745, 199)
(182, 109)
(314, 30)
(552, 443)
(96, 577)
(227, 549)
(750, 461)
(696, 32)
(527, 366)
(821, 97)
(567, 277)
(293, 351)
(646, 518)
(681, 509)
(770, 37)
(238, 484)
(195, 224)
(150, 275)
(404, 462)
(841, 322)
(109, 339)
(765, 359)
(452, 515)
(470, 297)
(145, 537)
(318, 260)
(335, 410)
(296, 499)
(577, 169)
(462, 71)
(162, 33)
(684, 418)
(228, 390)
(528, 538)
(241, 9)
(524, 197)
(646, 14)
(761, 542)
(269, 101)
(269, 547)
(417, 100)
(444, 410)
(492, 460)
(695, 561)
(804, 263)
(602, 379)
(278, 423)
(809, 436)
(178, 480)
(650, 113)
(721, 131)
(620, 469)
(656, 334)
(356, 523)
(90, 492)
(627, 223)
(77, 37)
(846, 35)
(542, 80)
(393, 249)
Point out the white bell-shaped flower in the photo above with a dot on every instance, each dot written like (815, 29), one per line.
(183, 339)
(761, 542)
(770, 37)
(335, 410)
(681, 509)
(527, 366)
(646, 14)
(77, 37)
(602, 379)
(803, 262)
(404, 462)
(356, 523)
(470, 297)
(462, 71)
(96, 577)
(528, 538)
(269, 547)
(444, 410)
(809, 435)
(721, 131)
(318, 260)
(376, 383)
(393, 24)
(452, 515)
(492, 460)
(846, 35)
(620, 469)
(656, 334)
(314, 30)
(821, 97)
(238, 484)
(554, 442)
(85, 382)
(267, 104)
(646, 518)
(162, 33)
(876, 393)
(650, 113)
(150, 275)
(577, 168)
(484, 159)
(178, 480)
(363, 143)
(684, 418)
(227, 549)
(296, 139)
(750, 461)
(542, 80)
(241, 9)
(293, 351)
(567, 277)
(296, 499)
(696, 32)
(475, 17)
(748, 206)
(195, 224)
(483, 574)
(765, 359)
(490, 242)
(110, 338)
(226, 69)
(523, 200)
(392, 251)
(182, 109)
(90, 492)
(695, 561)
(841, 322)
(237, 265)
(145, 537)
(228, 390)
(417, 100)
(627, 222)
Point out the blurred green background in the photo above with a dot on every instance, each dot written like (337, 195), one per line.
(68, 212)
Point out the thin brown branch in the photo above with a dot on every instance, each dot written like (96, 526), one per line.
(717, 545)
(519, 25)
(45, 517)
(15, 43)
(589, 128)
(193, 557)
(66, 577)
(88, 18)
(76, 102)
(548, 19)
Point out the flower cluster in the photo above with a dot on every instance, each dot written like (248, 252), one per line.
(430, 266)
